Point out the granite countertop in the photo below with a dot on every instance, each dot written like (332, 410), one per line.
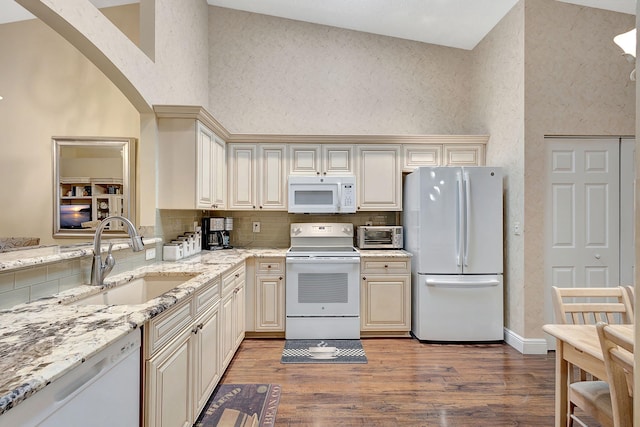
(27, 257)
(390, 253)
(42, 340)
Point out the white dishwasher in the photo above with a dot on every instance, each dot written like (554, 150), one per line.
(103, 392)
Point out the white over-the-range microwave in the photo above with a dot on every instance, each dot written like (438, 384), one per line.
(322, 194)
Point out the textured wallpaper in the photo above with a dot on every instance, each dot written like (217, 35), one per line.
(577, 83)
(499, 110)
(274, 75)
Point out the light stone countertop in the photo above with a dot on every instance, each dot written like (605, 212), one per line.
(42, 340)
(26, 257)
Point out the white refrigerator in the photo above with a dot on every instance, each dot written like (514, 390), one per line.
(453, 227)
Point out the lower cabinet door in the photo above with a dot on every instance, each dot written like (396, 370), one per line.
(207, 366)
(386, 303)
(238, 317)
(269, 298)
(169, 385)
(227, 336)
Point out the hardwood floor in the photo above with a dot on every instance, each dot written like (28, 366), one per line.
(406, 383)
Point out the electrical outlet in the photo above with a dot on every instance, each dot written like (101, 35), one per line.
(150, 254)
(256, 227)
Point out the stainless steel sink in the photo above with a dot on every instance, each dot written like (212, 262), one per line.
(137, 291)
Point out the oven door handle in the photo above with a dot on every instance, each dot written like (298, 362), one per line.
(323, 260)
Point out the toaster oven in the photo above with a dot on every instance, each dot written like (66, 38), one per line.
(380, 237)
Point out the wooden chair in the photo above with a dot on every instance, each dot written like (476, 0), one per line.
(588, 306)
(631, 293)
(617, 352)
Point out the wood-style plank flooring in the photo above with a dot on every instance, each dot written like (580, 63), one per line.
(406, 383)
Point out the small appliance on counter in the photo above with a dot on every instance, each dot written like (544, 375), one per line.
(380, 237)
(215, 233)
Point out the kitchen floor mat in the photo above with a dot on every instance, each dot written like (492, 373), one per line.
(241, 405)
(347, 351)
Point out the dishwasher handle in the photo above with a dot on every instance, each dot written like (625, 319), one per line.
(452, 283)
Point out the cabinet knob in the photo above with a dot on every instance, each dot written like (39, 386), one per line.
(254, 206)
(237, 275)
(317, 173)
(260, 206)
(364, 278)
(280, 278)
(269, 266)
(324, 173)
(386, 266)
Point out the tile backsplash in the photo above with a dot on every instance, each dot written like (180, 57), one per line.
(274, 226)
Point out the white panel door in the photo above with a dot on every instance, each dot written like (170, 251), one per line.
(582, 215)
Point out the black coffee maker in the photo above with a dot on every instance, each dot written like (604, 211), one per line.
(212, 233)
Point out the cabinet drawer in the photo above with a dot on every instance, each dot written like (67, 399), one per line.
(166, 326)
(269, 265)
(231, 279)
(207, 296)
(386, 265)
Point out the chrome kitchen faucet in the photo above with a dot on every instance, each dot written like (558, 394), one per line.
(99, 270)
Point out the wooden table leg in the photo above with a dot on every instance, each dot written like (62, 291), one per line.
(562, 385)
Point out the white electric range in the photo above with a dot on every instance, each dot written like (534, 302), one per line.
(322, 287)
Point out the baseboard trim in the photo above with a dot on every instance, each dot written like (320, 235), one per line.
(525, 345)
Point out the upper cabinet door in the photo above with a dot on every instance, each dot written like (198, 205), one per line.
(304, 159)
(379, 179)
(464, 155)
(204, 167)
(242, 176)
(337, 159)
(272, 184)
(415, 156)
(211, 172)
(219, 173)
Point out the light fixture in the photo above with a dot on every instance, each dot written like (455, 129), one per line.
(627, 42)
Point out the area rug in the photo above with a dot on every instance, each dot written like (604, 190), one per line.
(323, 351)
(241, 405)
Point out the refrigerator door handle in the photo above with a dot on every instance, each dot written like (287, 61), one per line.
(467, 215)
(460, 225)
(444, 283)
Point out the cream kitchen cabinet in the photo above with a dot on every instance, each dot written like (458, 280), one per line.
(416, 155)
(385, 296)
(321, 159)
(464, 155)
(182, 359)
(257, 176)
(379, 178)
(191, 165)
(269, 295)
(232, 313)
